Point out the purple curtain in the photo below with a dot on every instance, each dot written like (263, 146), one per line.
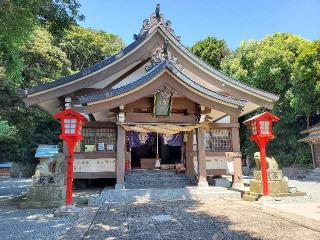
(174, 140)
(134, 140)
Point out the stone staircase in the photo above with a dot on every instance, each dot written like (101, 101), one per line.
(159, 185)
(313, 175)
(146, 179)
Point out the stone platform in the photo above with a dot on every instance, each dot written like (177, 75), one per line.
(159, 185)
(127, 196)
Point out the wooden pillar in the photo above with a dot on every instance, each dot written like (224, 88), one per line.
(237, 179)
(202, 170)
(189, 156)
(120, 166)
(313, 155)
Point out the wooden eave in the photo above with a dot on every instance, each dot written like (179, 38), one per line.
(163, 74)
(134, 52)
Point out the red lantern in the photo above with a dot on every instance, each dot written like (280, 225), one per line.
(71, 125)
(260, 127)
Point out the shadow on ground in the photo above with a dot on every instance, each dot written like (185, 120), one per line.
(166, 220)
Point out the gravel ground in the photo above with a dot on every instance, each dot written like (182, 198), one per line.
(32, 224)
(216, 219)
(12, 187)
(27, 223)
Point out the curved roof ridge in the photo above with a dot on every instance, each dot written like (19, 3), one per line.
(99, 65)
(165, 64)
(207, 91)
(219, 73)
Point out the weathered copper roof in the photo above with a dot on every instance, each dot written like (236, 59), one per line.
(153, 73)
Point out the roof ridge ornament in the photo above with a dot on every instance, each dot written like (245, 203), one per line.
(168, 26)
(162, 54)
(156, 18)
(157, 12)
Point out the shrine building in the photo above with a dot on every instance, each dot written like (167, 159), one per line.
(154, 104)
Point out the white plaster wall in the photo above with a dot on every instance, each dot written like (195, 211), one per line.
(94, 165)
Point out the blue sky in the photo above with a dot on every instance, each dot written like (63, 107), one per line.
(231, 20)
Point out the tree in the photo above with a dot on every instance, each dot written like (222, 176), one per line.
(59, 15)
(21, 42)
(306, 81)
(211, 50)
(269, 64)
(17, 21)
(43, 61)
(85, 47)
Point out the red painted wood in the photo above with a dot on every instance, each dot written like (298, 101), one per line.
(262, 139)
(71, 140)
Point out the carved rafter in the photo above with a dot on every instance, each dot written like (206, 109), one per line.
(167, 90)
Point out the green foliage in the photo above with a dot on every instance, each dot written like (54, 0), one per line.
(43, 61)
(8, 140)
(32, 34)
(270, 64)
(7, 132)
(211, 50)
(59, 15)
(24, 50)
(306, 80)
(18, 19)
(85, 47)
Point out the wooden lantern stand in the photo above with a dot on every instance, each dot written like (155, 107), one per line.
(261, 132)
(71, 125)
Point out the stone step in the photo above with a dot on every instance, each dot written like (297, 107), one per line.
(144, 179)
(126, 196)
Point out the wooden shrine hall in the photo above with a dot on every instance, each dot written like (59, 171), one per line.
(153, 105)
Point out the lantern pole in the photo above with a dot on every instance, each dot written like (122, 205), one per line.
(262, 143)
(157, 146)
(71, 145)
(71, 124)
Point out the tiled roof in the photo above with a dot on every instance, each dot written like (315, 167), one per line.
(46, 151)
(310, 138)
(150, 75)
(313, 128)
(6, 165)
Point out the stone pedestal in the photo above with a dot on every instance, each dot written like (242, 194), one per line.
(276, 183)
(45, 192)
